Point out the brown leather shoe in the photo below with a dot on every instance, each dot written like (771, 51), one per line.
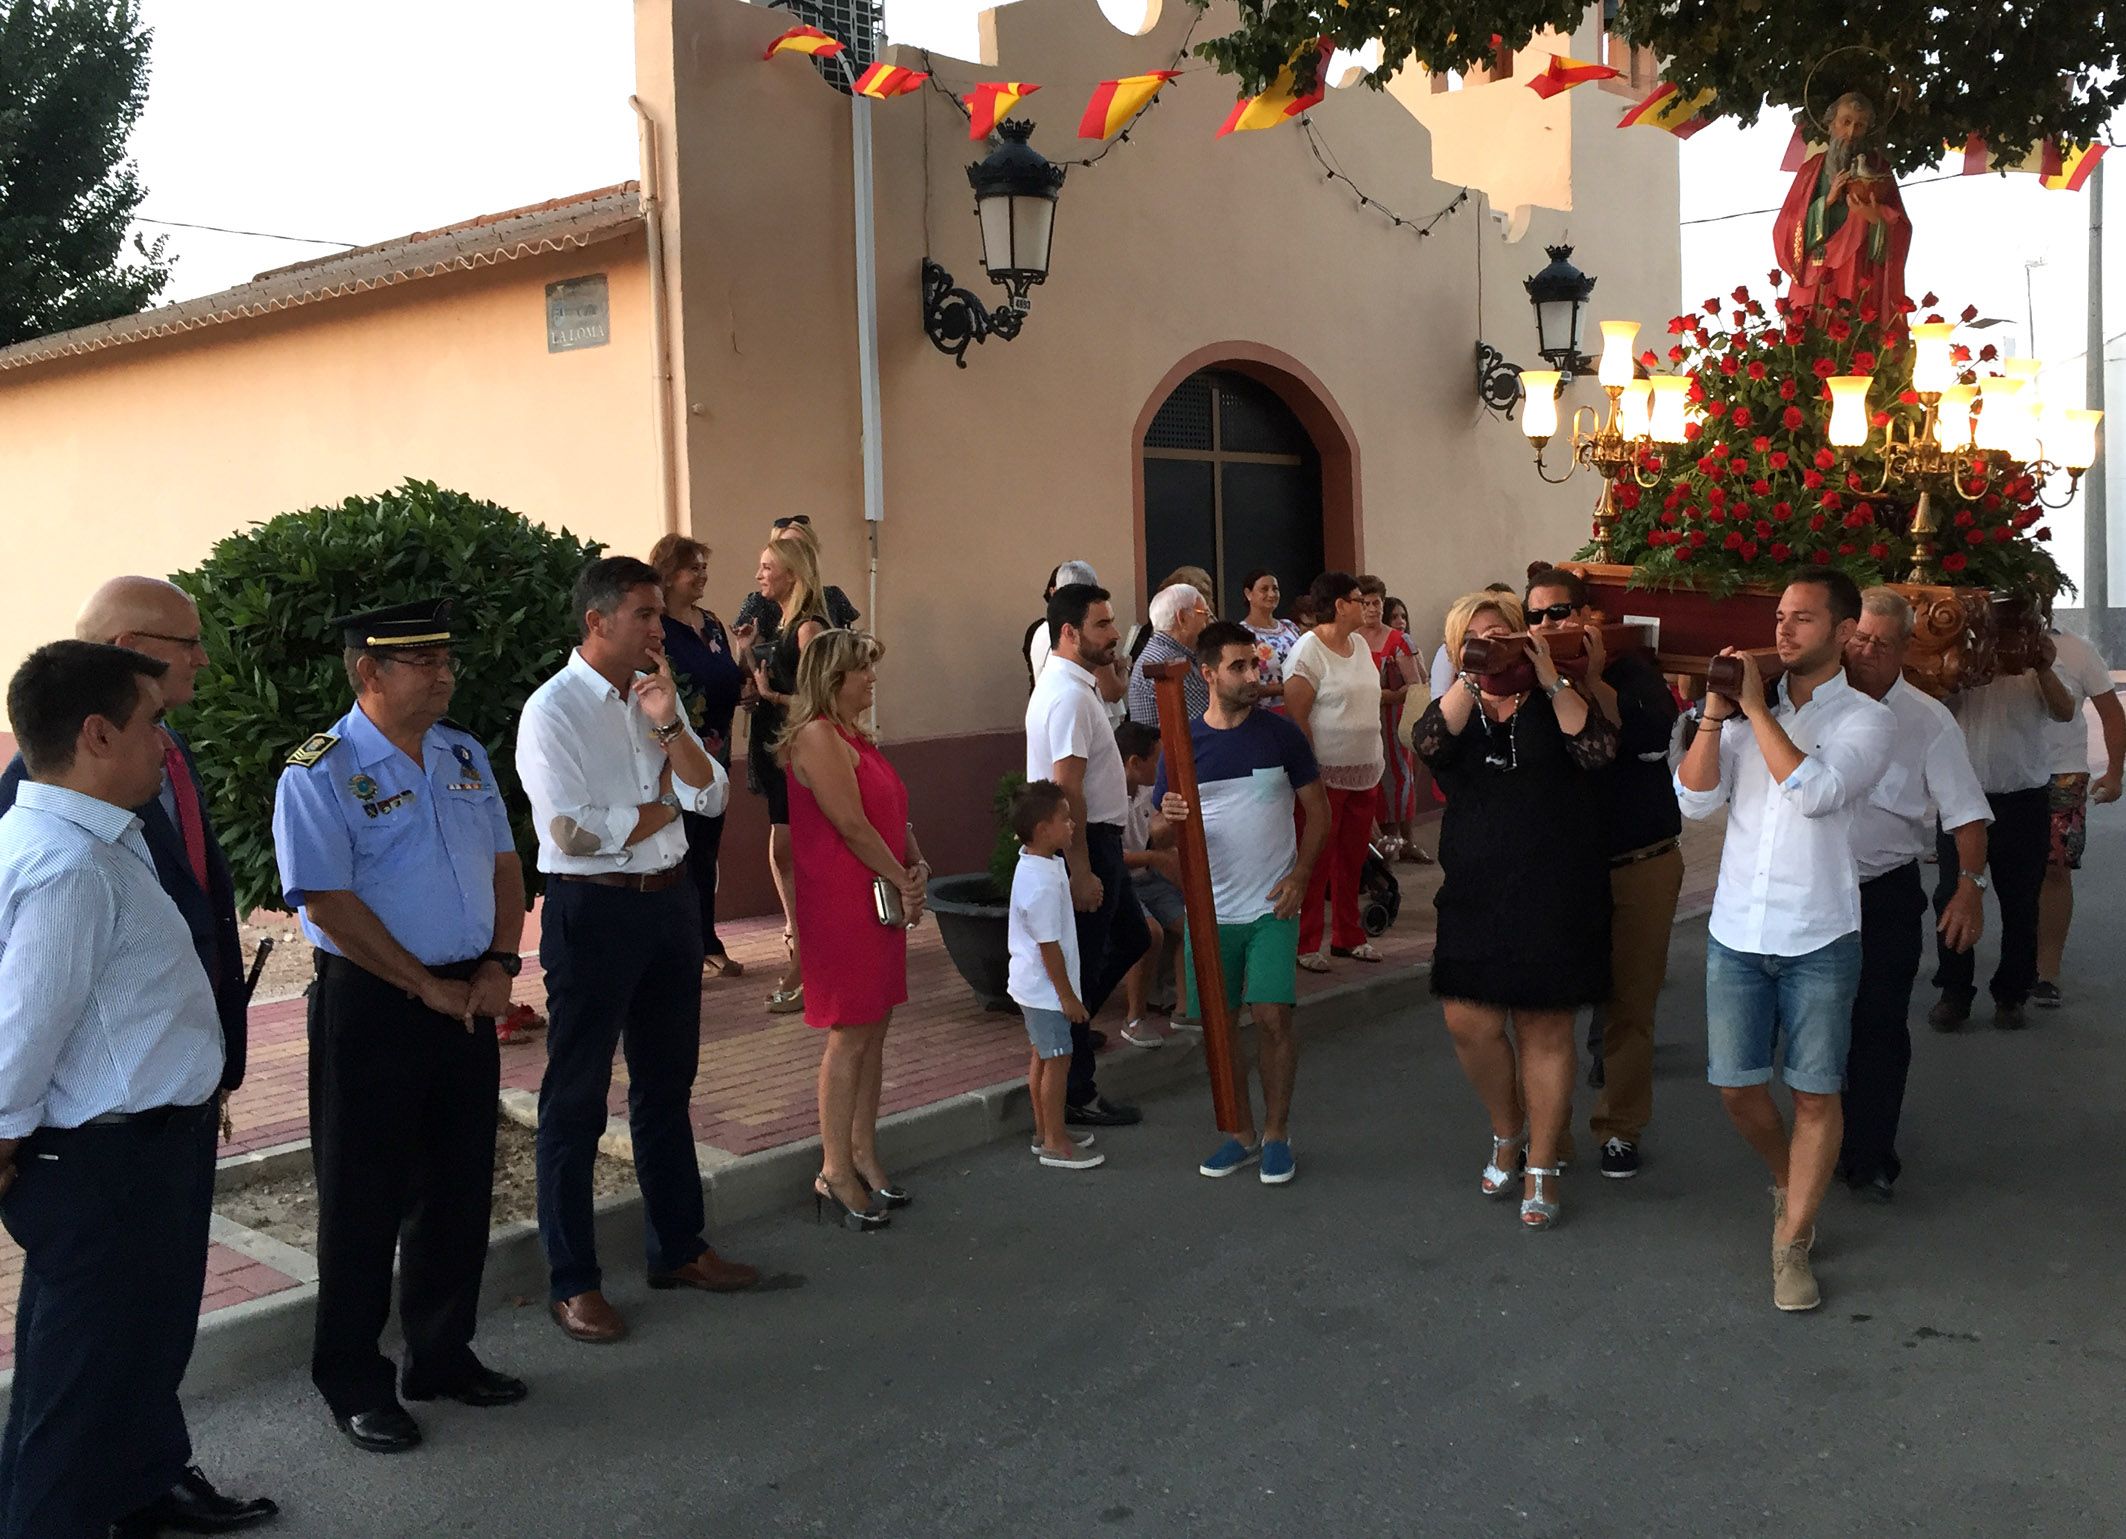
(588, 1317)
(711, 1273)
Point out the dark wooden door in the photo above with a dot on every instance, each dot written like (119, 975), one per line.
(1231, 482)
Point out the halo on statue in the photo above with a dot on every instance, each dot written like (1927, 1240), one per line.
(1855, 67)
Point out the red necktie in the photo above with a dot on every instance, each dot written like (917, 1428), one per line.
(186, 795)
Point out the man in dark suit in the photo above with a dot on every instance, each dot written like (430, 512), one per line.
(157, 618)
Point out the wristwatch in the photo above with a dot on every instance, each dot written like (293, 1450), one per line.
(1557, 687)
(508, 961)
(671, 799)
(1975, 878)
(666, 734)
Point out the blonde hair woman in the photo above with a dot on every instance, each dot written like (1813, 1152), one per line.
(787, 582)
(1524, 892)
(848, 832)
(834, 603)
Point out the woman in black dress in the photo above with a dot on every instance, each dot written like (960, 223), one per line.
(710, 682)
(1524, 900)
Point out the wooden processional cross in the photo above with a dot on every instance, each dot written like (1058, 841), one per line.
(1220, 1051)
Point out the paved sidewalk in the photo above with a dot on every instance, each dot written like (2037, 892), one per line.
(755, 1091)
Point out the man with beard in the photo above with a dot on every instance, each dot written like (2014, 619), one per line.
(1069, 741)
(1783, 957)
(1250, 768)
(1894, 827)
(1842, 234)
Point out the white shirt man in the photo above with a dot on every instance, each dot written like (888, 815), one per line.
(1929, 775)
(2087, 678)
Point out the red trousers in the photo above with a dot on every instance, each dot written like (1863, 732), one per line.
(1351, 818)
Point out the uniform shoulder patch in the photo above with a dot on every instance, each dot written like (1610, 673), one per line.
(318, 745)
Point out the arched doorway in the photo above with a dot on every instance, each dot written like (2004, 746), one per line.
(1244, 462)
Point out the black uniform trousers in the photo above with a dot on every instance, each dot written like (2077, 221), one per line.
(402, 1134)
(2016, 849)
(1893, 938)
(704, 847)
(1111, 939)
(112, 1221)
(623, 969)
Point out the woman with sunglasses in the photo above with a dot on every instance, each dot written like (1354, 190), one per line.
(755, 610)
(1524, 894)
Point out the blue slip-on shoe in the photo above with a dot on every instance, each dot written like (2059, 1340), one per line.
(1277, 1166)
(1230, 1156)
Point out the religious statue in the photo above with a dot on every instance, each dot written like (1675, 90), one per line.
(1842, 234)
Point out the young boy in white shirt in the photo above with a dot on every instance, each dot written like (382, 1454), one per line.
(1044, 966)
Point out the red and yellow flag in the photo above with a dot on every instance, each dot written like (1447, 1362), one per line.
(1115, 102)
(804, 40)
(881, 81)
(991, 101)
(1562, 74)
(2060, 168)
(1282, 101)
(1670, 111)
(2075, 167)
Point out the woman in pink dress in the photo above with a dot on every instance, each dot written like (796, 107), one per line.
(848, 831)
(1393, 657)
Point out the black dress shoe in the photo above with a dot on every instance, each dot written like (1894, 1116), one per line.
(388, 1429)
(483, 1386)
(1950, 1012)
(1100, 1112)
(193, 1506)
(1875, 1189)
(2009, 1017)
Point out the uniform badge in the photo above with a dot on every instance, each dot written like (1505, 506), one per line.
(363, 787)
(466, 766)
(314, 748)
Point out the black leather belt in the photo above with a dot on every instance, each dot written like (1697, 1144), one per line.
(153, 1117)
(1633, 857)
(651, 881)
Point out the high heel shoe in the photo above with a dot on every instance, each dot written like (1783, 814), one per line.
(1539, 1212)
(786, 1001)
(852, 1218)
(1496, 1177)
(888, 1196)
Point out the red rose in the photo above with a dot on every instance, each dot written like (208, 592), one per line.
(1760, 443)
(2002, 535)
(2042, 534)
(1782, 510)
(1783, 305)
(1775, 277)
(1683, 553)
(1741, 417)
(1778, 459)
(1880, 419)
(1970, 314)
(1820, 557)
(1741, 296)
(1648, 359)
(1791, 419)
(1795, 331)
(1825, 459)
(1787, 391)
(1825, 368)
(1959, 353)
(1716, 495)
(1879, 551)
(1749, 550)
(1839, 330)
(1831, 501)
(1728, 366)
(1781, 552)
(1764, 529)
(1852, 479)
(1716, 515)
(1676, 355)
(1988, 353)
(1908, 398)
(1738, 511)
(1965, 518)
(1669, 520)
(1991, 502)
(1868, 313)
(1760, 488)
(1812, 479)
(1757, 369)
(1697, 537)
(1732, 542)
(1816, 523)
(1627, 494)
(1716, 408)
(1845, 550)
(1712, 307)
(1863, 362)
(1859, 518)
(1954, 562)
(1974, 536)
(1691, 431)
(1929, 299)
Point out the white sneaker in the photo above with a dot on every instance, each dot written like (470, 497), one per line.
(1137, 1034)
(1082, 1140)
(1079, 1161)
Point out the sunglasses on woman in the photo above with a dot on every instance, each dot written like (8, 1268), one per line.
(794, 518)
(1558, 612)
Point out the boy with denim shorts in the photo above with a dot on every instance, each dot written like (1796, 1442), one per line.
(1251, 767)
(1043, 930)
(1791, 765)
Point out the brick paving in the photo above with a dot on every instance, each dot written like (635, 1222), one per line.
(756, 1087)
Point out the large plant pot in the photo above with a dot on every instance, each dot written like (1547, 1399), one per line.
(1961, 637)
(977, 934)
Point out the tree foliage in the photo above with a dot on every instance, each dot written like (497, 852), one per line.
(266, 600)
(73, 80)
(2012, 71)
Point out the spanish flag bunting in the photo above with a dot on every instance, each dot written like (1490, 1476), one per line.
(1282, 101)
(881, 81)
(1668, 110)
(804, 40)
(1798, 150)
(1562, 74)
(2042, 159)
(990, 102)
(1115, 102)
(2075, 167)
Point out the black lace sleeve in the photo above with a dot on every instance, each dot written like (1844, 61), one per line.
(1594, 746)
(1435, 743)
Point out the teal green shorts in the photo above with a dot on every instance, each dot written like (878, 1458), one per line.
(1260, 961)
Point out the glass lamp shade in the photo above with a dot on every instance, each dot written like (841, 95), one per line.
(1617, 365)
(1559, 293)
(1015, 191)
(1952, 421)
(1670, 414)
(2004, 425)
(2076, 444)
(1634, 409)
(1849, 409)
(1932, 371)
(1539, 419)
(2026, 369)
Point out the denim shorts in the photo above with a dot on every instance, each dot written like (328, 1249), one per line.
(1162, 900)
(1795, 1012)
(1048, 1031)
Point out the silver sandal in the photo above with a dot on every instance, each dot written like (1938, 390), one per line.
(1539, 1212)
(1496, 1177)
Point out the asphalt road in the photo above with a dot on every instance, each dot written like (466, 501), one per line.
(1372, 1349)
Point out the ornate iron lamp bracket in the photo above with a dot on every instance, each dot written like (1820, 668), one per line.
(953, 318)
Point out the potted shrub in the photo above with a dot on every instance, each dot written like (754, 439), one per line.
(973, 910)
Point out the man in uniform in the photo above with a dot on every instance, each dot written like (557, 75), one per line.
(393, 842)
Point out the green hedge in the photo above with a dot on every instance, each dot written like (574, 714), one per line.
(266, 598)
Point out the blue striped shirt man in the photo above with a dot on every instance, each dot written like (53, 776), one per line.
(104, 1006)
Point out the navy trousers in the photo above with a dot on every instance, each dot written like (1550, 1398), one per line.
(113, 1225)
(623, 969)
(2016, 849)
(1110, 940)
(1893, 938)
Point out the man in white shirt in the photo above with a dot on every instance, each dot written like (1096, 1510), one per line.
(1929, 775)
(609, 763)
(2087, 677)
(1069, 741)
(1783, 958)
(2007, 731)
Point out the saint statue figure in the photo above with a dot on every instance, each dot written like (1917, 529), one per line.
(1842, 234)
